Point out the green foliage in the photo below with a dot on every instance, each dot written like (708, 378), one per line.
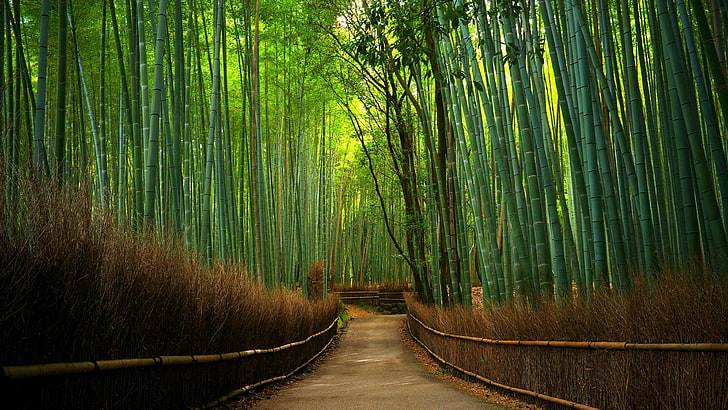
(344, 316)
(182, 151)
(78, 287)
(535, 146)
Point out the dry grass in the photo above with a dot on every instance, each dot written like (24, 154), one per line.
(76, 287)
(315, 281)
(676, 309)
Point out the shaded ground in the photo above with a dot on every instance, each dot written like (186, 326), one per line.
(372, 370)
(378, 366)
(387, 387)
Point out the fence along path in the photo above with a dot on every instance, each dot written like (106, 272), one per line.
(373, 297)
(52, 369)
(705, 367)
(42, 371)
(372, 369)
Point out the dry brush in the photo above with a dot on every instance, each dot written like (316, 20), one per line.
(675, 310)
(75, 287)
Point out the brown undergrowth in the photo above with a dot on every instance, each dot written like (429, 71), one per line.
(76, 287)
(677, 308)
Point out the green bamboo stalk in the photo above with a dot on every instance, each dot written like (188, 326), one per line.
(542, 145)
(206, 244)
(638, 128)
(232, 219)
(686, 126)
(501, 139)
(99, 143)
(709, 191)
(143, 87)
(577, 180)
(60, 120)
(136, 128)
(6, 100)
(256, 156)
(151, 174)
(39, 155)
(125, 114)
(535, 200)
(187, 171)
(103, 187)
(178, 118)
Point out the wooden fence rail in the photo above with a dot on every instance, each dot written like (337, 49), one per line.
(160, 382)
(679, 347)
(54, 369)
(603, 374)
(244, 389)
(373, 297)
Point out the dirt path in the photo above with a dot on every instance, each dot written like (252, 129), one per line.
(372, 369)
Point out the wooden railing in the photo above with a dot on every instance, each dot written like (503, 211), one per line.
(584, 371)
(52, 369)
(371, 297)
(113, 375)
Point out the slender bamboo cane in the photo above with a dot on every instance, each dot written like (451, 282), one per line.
(39, 155)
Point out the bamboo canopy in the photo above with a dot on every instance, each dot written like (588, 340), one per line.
(539, 147)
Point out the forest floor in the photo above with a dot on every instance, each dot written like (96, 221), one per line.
(379, 365)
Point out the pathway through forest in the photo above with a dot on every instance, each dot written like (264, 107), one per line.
(372, 369)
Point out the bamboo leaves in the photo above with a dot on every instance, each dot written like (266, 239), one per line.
(166, 175)
(538, 147)
(613, 163)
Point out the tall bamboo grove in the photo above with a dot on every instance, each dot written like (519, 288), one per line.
(583, 142)
(193, 119)
(542, 148)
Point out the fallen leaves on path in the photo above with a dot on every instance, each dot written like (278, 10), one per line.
(356, 311)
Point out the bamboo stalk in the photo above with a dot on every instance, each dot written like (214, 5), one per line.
(40, 163)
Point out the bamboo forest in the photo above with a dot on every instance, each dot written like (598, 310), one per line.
(537, 147)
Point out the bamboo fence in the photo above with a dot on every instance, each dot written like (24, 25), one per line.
(249, 387)
(54, 369)
(676, 347)
(556, 400)
(702, 348)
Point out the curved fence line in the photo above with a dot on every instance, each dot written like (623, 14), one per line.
(562, 402)
(249, 387)
(679, 347)
(53, 369)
